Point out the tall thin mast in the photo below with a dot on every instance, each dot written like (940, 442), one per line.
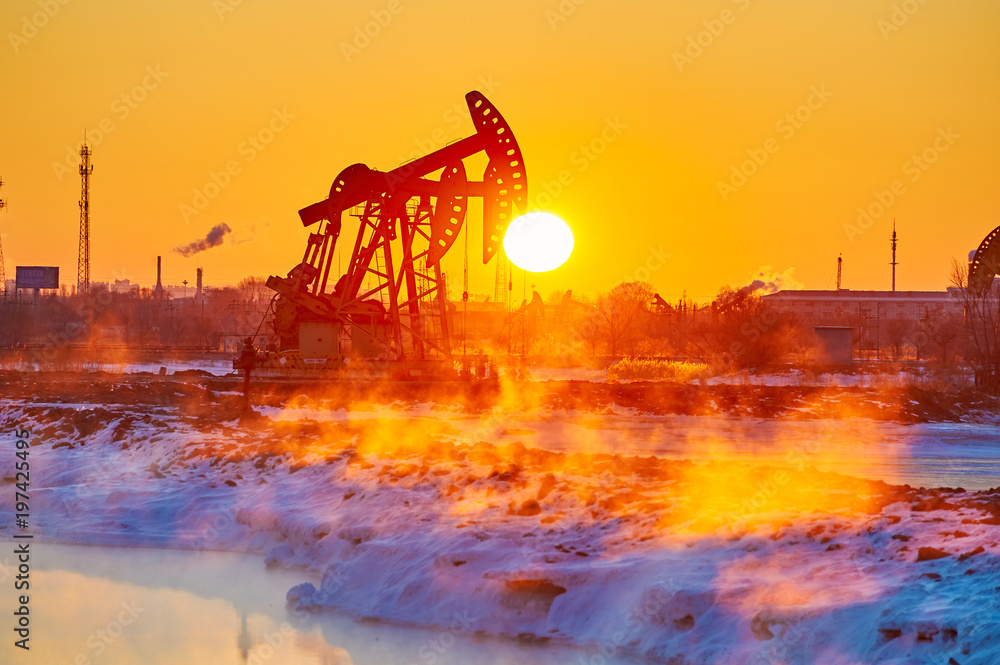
(83, 258)
(894, 263)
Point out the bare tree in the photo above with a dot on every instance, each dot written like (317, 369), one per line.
(945, 333)
(590, 332)
(742, 331)
(897, 334)
(619, 314)
(982, 324)
(253, 289)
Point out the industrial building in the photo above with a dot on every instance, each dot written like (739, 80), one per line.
(842, 306)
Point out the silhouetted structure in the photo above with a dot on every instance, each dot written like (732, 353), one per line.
(83, 256)
(834, 345)
(247, 361)
(981, 298)
(407, 224)
(502, 286)
(158, 290)
(894, 263)
(985, 263)
(838, 307)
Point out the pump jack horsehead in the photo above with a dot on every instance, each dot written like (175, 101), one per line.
(408, 222)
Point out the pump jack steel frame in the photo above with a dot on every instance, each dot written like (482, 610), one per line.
(408, 222)
(985, 263)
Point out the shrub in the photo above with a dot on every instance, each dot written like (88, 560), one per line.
(638, 369)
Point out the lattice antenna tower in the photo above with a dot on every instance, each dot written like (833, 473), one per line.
(501, 288)
(83, 258)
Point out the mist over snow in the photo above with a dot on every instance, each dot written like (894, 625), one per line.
(419, 512)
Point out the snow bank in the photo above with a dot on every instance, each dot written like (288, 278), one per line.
(726, 561)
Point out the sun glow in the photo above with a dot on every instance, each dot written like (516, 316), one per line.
(538, 242)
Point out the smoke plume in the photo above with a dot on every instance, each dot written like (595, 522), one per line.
(770, 281)
(213, 239)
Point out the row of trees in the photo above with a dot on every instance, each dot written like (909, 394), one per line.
(739, 330)
(138, 317)
(736, 330)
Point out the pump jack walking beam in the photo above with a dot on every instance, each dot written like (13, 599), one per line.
(408, 222)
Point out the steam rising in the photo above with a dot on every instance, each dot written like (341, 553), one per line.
(769, 280)
(213, 239)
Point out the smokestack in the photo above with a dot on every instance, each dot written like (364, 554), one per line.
(840, 264)
(158, 291)
(197, 293)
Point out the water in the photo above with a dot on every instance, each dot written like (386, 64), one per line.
(921, 455)
(124, 606)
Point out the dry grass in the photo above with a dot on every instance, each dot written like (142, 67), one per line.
(635, 369)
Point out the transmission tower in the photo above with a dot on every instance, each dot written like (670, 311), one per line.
(500, 288)
(83, 260)
(3, 273)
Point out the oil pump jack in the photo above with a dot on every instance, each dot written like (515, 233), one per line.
(391, 302)
(984, 265)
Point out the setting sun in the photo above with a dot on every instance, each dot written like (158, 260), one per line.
(538, 242)
(383, 331)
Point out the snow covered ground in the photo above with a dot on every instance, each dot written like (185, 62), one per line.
(217, 367)
(789, 377)
(798, 377)
(586, 528)
(213, 367)
(567, 374)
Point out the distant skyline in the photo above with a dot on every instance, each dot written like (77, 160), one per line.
(693, 144)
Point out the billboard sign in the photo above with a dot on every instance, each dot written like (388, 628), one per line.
(37, 277)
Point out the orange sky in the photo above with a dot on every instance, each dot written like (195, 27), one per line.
(224, 67)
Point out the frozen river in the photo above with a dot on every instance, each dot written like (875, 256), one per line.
(921, 455)
(123, 606)
(579, 567)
